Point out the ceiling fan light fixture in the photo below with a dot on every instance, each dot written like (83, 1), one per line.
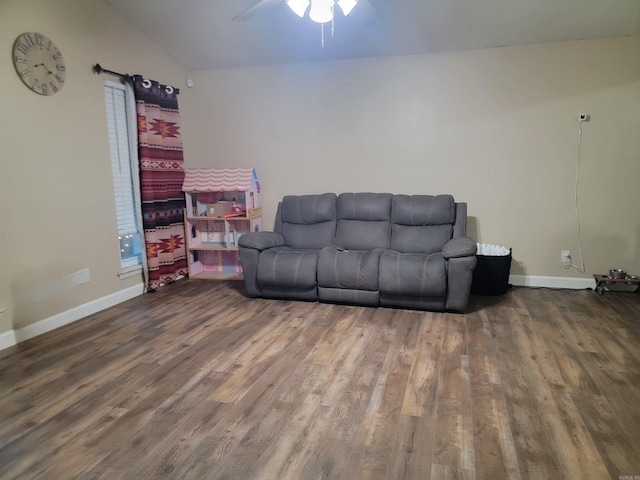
(321, 11)
(347, 6)
(299, 7)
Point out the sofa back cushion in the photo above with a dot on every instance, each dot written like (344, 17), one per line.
(364, 220)
(422, 223)
(308, 221)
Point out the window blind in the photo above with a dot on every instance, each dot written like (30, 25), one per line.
(120, 159)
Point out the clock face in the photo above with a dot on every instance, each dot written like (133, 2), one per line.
(39, 63)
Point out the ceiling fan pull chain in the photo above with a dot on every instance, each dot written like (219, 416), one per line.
(333, 18)
(322, 34)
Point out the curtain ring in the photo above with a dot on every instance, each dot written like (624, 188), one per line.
(146, 83)
(169, 89)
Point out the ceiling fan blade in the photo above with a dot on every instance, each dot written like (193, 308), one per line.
(257, 8)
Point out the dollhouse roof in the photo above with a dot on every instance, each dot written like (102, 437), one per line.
(220, 179)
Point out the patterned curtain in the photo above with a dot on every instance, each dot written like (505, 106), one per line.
(161, 176)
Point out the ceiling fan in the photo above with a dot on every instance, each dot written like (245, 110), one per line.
(319, 11)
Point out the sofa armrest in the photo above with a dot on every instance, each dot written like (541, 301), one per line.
(459, 247)
(261, 240)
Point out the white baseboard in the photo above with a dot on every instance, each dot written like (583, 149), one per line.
(7, 339)
(12, 337)
(552, 282)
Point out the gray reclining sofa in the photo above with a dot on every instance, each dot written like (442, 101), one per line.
(373, 249)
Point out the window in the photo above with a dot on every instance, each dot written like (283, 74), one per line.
(125, 178)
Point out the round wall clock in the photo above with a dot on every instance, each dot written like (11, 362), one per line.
(39, 63)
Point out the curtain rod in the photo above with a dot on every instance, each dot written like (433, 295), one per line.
(98, 69)
(126, 77)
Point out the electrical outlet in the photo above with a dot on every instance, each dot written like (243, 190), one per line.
(565, 256)
(584, 117)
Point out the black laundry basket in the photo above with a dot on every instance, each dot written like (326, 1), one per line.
(491, 275)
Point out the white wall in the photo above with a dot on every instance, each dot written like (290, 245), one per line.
(56, 197)
(496, 128)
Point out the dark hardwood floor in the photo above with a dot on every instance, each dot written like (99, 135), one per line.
(198, 382)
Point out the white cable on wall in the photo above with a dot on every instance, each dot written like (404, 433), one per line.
(581, 269)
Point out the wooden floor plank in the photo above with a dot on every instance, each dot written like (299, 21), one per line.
(330, 457)
(494, 447)
(525, 405)
(413, 448)
(288, 454)
(422, 386)
(454, 442)
(493, 444)
(610, 435)
(373, 449)
(197, 381)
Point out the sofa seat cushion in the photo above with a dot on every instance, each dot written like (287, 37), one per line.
(288, 267)
(351, 269)
(422, 275)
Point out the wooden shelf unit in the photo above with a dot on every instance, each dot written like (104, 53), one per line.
(221, 204)
(212, 243)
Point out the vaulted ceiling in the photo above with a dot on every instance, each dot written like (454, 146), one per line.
(209, 34)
